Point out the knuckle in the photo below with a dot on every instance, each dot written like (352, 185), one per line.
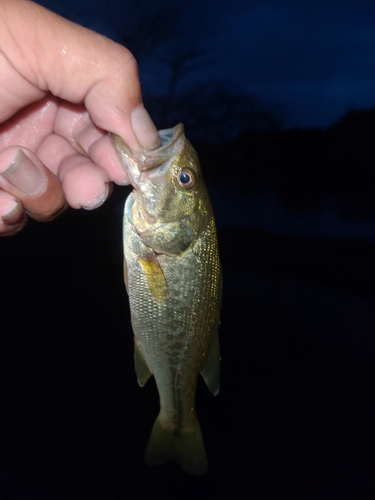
(125, 61)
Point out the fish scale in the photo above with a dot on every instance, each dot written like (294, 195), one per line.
(173, 278)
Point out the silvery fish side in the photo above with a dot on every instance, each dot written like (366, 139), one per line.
(173, 278)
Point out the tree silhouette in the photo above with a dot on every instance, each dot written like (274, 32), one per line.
(150, 24)
(212, 112)
(168, 33)
(210, 109)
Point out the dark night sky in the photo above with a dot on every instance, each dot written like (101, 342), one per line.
(308, 62)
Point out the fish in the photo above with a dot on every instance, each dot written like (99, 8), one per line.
(173, 279)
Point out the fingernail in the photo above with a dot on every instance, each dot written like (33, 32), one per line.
(24, 175)
(98, 201)
(14, 213)
(144, 128)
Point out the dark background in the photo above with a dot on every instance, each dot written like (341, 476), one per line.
(295, 211)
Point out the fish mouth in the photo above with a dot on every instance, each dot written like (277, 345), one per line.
(135, 164)
(169, 145)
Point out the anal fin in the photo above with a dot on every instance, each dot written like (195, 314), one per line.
(211, 368)
(141, 368)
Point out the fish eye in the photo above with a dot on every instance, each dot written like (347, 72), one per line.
(186, 178)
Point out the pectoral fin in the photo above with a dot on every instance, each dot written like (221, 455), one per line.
(156, 282)
(211, 368)
(141, 368)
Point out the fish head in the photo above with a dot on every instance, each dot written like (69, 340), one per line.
(170, 199)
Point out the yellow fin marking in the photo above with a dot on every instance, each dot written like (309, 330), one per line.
(156, 282)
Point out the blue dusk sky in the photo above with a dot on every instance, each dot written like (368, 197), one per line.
(308, 62)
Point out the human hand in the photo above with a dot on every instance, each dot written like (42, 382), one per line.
(62, 87)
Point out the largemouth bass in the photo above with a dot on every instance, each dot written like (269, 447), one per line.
(173, 279)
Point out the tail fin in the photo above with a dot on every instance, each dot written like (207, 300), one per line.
(187, 449)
